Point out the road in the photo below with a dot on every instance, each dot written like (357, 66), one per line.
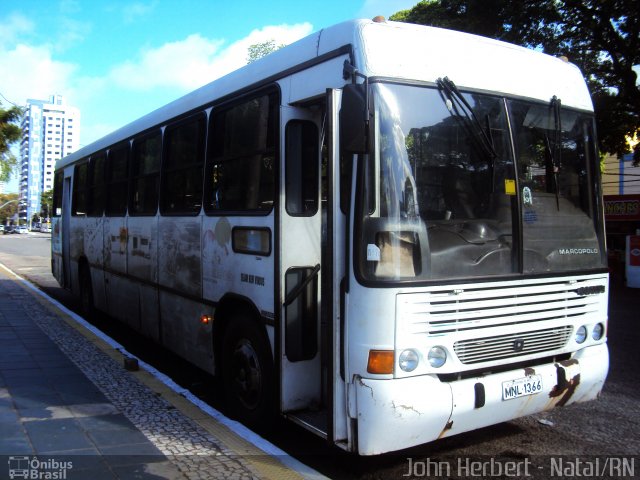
(608, 427)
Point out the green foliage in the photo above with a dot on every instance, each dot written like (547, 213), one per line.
(602, 37)
(46, 203)
(10, 133)
(8, 207)
(259, 50)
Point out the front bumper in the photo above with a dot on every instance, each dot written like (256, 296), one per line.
(401, 413)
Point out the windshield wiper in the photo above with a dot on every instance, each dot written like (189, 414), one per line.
(458, 105)
(556, 152)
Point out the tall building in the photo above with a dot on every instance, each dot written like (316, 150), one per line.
(51, 130)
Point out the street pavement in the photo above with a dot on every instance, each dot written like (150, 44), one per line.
(69, 409)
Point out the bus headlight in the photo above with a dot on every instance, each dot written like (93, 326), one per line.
(437, 356)
(598, 332)
(408, 360)
(581, 334)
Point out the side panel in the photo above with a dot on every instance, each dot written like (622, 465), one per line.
(142, 264)
(94, 252)
(120, 291)
(178, 250)
(245, 274)
(183, 333)
(179, 273)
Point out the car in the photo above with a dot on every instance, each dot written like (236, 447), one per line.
(22, 229)
(9, 229)
(45, 228)
(2, 228)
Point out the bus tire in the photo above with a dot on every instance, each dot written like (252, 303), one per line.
(247, 372)
(86, 291)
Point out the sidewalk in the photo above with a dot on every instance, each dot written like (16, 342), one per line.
(68, 408)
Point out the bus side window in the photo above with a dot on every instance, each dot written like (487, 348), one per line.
(241, 156)
(96, 192)
(302, 169)
(182, 167)
(79, 206)
(117, 181)
(145, 175)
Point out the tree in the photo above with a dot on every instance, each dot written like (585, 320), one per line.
(10, 133)
(8, 207)
(46, 203)
(259, 50)
(602, 37)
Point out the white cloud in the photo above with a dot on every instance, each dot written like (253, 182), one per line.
(182, 64)
(31, 72)
(196, 60)
(71, 33)
(13, 27)
(135, 10)
(130, 89)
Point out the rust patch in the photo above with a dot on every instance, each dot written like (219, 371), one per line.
(446, 427)
(561, 384)
(569, 363)
(565, 389)
(529, 371)
(571, 388)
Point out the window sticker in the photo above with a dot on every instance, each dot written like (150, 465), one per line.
(373, 253)
(509, 186)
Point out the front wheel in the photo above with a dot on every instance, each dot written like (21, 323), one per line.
(247, 372)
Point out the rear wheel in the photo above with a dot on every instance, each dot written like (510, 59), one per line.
(247, 372)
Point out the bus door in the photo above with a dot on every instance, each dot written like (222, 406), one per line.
(312, 237)
(300, 263)
(65, 232)
(334, 287)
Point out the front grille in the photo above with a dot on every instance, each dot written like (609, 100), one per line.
(445, 312)
(512, 345)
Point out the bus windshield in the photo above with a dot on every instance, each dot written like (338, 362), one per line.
(499, 187)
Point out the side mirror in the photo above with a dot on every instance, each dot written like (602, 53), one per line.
(354, 121)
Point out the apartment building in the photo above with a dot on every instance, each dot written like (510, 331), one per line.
(51, 130)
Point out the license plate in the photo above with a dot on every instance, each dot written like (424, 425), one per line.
(521, 386)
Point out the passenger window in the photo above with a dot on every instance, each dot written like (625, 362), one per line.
(80, 189)
(182, 167)
(241, 159)
(96, 185)
(302, 168)
(117, 181)
(145, 175)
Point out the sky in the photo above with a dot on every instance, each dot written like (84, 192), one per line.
(117, 60)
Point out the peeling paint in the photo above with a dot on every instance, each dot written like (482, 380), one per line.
(222, 232)
(405, 407)
(446, 428)
(362, 384)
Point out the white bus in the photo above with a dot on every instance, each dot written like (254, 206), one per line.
(386, 233)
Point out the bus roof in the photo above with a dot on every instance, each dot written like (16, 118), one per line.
(392, 50)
